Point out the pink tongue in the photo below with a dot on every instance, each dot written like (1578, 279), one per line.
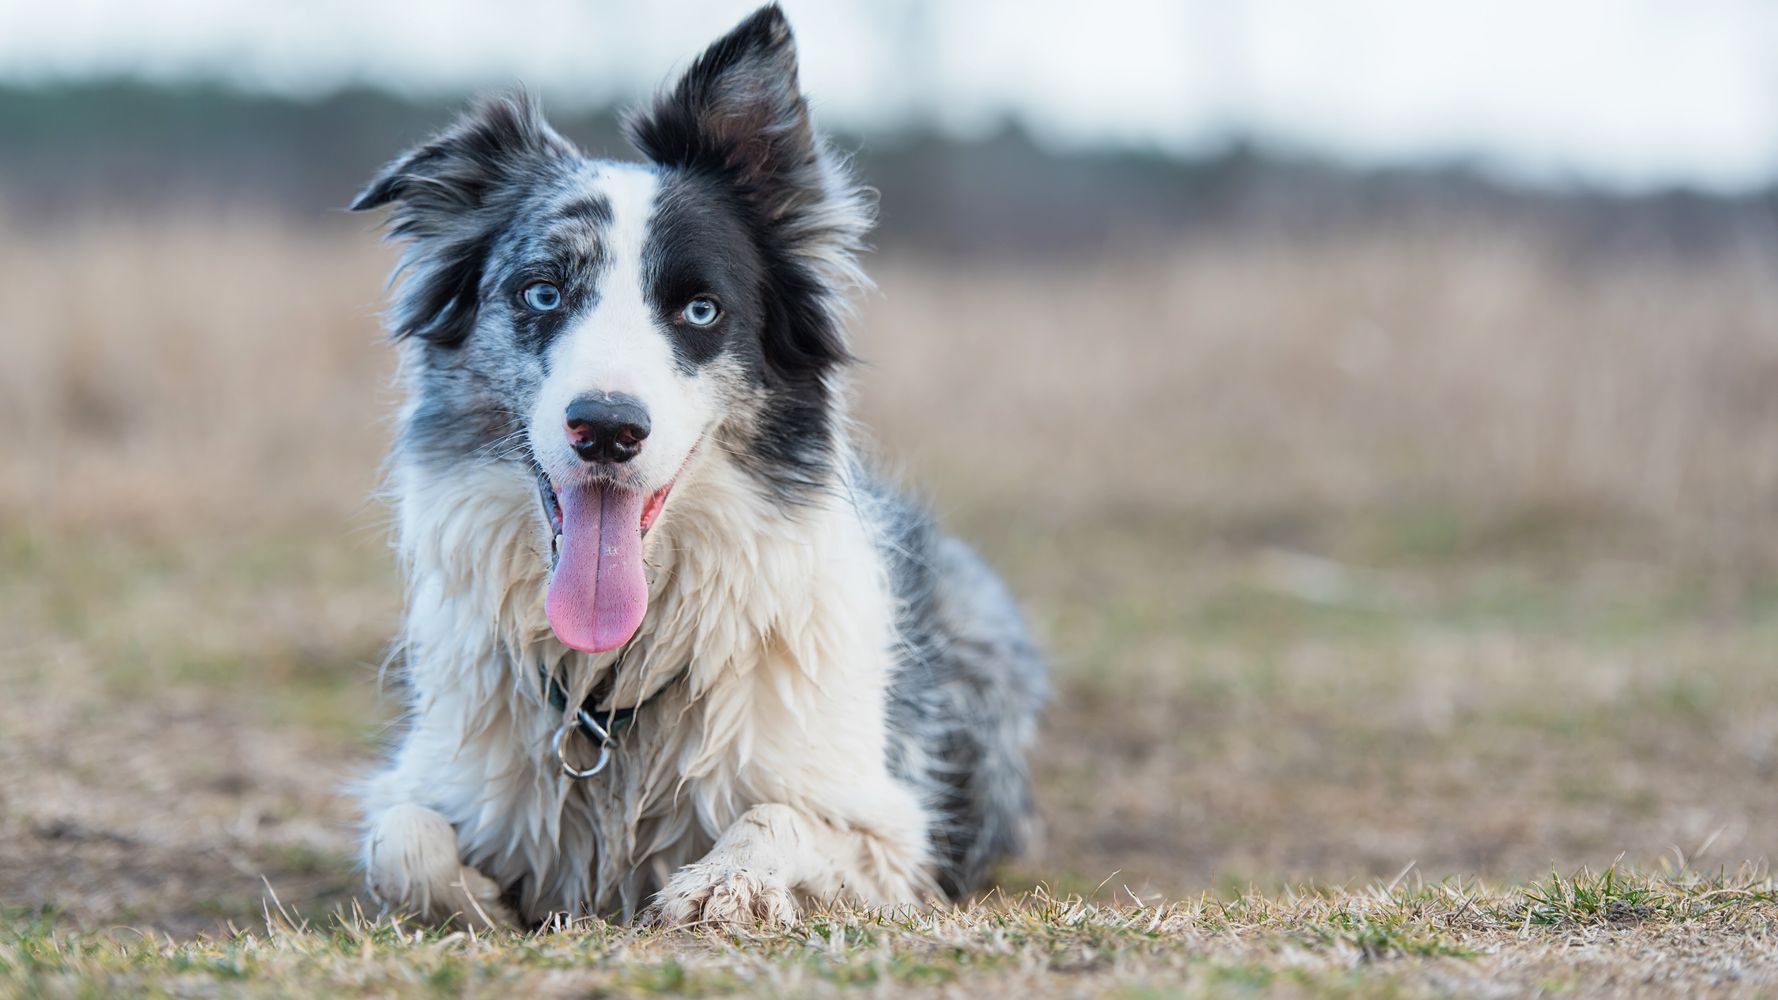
(598, 594)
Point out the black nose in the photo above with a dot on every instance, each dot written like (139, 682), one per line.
(607, 428)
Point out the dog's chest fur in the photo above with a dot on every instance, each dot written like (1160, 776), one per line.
(780, 624)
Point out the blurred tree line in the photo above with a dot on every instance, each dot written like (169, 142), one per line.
(132, 146)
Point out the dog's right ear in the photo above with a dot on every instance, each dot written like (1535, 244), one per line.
(460, 167)
(450, 195)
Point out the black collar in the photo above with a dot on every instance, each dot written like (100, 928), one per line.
(601, 727)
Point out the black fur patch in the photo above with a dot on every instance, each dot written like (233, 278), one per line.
(700, 243)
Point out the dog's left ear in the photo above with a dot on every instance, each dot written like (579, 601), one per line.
(737, 109)
(739, 114)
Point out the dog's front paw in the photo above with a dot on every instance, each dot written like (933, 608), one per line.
(714, 893)
(413, 867)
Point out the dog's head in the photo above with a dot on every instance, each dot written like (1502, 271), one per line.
(601, 324)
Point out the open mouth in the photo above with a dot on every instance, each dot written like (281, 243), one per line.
(598, 590)
(552, 511)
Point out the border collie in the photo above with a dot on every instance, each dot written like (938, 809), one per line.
(670, 651)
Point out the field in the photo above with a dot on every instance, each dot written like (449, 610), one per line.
(1412, 591)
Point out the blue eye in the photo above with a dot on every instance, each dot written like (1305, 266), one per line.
(542, 296)
(701, 311)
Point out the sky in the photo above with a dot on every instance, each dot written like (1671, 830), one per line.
(1626, 94)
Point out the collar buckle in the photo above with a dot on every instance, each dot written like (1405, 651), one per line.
(602, 737)
(602, 733)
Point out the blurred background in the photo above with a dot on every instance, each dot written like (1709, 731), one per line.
(1374, 405)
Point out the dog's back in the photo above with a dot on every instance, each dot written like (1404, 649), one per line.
(966, 693)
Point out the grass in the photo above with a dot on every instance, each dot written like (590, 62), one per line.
(1415, 639)
(1396, 939)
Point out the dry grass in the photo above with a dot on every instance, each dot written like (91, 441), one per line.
(1585, 935)
(1460, 366)
(1413, 544)
(170, 377)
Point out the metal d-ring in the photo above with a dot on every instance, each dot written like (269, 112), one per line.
(584, 719)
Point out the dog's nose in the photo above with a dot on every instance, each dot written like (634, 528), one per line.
(607, 428)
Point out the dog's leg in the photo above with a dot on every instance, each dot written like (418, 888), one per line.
(411, 858)
(775, 855)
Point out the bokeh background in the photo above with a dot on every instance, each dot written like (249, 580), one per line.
(1374, 405)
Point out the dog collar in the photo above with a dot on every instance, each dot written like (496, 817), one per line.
(601, 729)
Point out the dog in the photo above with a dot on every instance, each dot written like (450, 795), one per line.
(670, 651)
